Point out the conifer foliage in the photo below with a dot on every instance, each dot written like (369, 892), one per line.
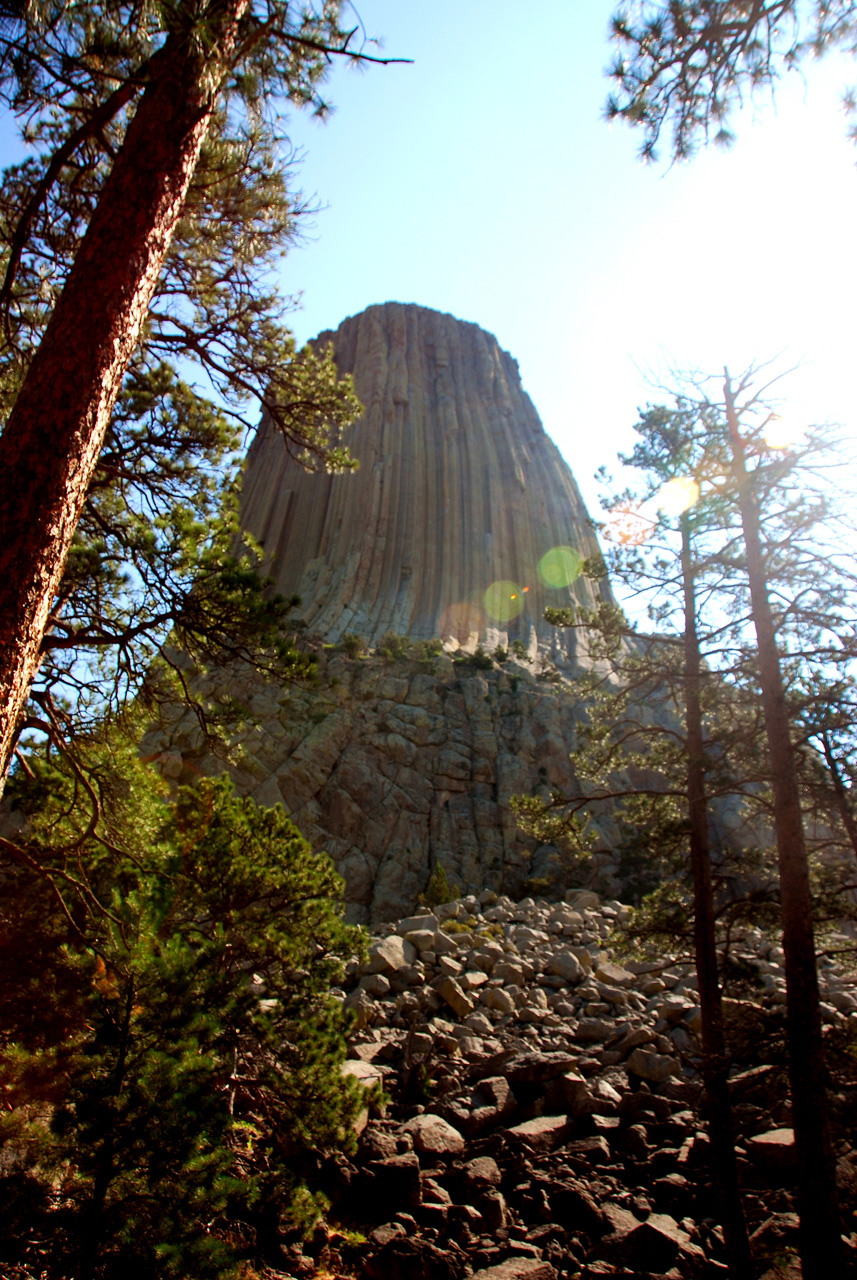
(142, 234)
(682, 66)
(170, 1050)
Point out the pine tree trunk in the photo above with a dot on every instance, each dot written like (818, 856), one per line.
(843, 800)
(49, 449)
(715, 1065)
(820, 1228)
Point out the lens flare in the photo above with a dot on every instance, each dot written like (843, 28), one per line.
(462, 621)
(504, 600)
(560, 566)
(781, 435)
(677, 495)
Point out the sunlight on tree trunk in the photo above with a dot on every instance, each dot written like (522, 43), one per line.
(820, 1243)
(55, 432)
(715, 1064)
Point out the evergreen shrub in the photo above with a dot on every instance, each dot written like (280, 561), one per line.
(170, 1050)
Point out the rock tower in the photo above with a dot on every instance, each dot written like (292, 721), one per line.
(463, 522)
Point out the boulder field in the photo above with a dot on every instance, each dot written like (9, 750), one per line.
(542, 1113)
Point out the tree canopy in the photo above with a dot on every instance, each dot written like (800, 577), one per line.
(682, 67)
(139, 239)
(75, 78)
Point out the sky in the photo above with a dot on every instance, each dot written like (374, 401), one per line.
(482, 180)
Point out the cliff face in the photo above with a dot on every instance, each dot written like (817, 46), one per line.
(394, 767)
(462, 522)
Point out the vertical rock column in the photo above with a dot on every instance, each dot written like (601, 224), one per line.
(459, 488)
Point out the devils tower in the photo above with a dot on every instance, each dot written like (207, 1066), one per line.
(462, 522)
(460, 525)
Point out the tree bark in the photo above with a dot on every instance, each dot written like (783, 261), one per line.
(715, 1064)
(50, 446)
(820, 1228)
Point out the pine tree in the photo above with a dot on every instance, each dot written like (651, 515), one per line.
(145, 231)
(817, 1194)
(684, 65)
(647, 749)
(777, 600)
(187, 1072)
(158, 564)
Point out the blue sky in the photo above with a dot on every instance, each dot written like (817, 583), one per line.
(483, 181)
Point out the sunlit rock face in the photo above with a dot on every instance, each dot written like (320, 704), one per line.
(463, 522)
(394, 767)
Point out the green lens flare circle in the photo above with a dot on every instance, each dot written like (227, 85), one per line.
(503, 600)
(560, 566)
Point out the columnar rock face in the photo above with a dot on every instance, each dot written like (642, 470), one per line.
(396, 767)
(462, 522)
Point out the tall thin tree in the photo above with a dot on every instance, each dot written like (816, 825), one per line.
(820, 1229)
(715, 1063)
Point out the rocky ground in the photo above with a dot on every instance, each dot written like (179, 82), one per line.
(543, 1103)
